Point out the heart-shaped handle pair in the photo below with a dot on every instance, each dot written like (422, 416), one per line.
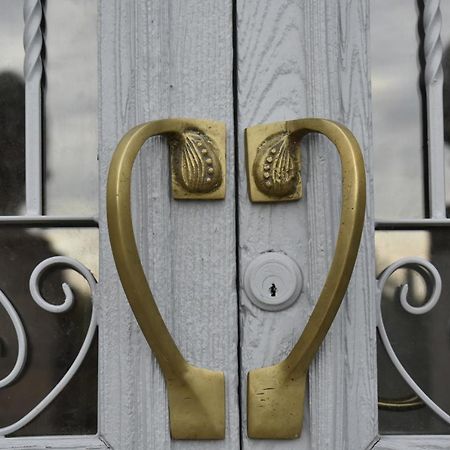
(196, 395)
(275, 394)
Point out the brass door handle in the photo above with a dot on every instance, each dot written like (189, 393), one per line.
(275, 394)
(196, 395)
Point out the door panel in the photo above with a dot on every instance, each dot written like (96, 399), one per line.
(167, 59)
(299, 59)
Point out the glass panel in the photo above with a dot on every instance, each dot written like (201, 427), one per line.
(445, 35)
(397, 110)
(11, 36)
(54, 339)
(421, 341)
(71, 107)
(12, 108)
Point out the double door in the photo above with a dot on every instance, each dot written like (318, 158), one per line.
(243, 63)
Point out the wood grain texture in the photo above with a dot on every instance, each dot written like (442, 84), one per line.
(163, 59)
(53, 442)
(413, 443)
(300, 59)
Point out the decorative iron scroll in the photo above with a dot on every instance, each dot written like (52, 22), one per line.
(41, 268)
(426, 270)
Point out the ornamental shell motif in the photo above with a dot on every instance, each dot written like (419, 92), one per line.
(276, 169)
(195, 162)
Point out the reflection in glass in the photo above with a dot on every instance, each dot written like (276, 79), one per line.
(445, 36)
(422, 342)
(397, 110)
(54, 339)
(11, 36)
(12, 108)
(71, 107)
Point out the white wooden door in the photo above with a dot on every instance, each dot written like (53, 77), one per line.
(167, 59)
(310, 59)
(280, 60)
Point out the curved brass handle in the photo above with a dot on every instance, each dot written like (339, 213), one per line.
(196, 395)
(275, 394)
(408, 403)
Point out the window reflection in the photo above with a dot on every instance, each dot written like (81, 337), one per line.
(71, 107)
(397, 110)
(11, 32)
(12, 107)
(54, 339)
(422, 342)
(12, 143)
(445, 36)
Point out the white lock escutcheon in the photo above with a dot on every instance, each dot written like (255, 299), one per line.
(273, 281)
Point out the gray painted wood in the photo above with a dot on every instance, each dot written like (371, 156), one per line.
(413, 443)
(299, 59)
(166, 59)
(53, 442)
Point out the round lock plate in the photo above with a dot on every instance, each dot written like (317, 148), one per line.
(273, 281)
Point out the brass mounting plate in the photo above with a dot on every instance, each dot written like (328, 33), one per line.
(273, 163)
(198, 161)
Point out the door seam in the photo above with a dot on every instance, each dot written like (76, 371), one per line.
(235, 91)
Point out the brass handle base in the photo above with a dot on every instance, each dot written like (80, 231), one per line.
(197, 404)
(273, 164)
(198, 162)
(275, 403)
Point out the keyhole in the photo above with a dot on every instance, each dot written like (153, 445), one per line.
(273, 290)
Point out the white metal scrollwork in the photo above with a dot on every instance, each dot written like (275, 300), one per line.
(21, 341)
(425, 269)
(21, 337)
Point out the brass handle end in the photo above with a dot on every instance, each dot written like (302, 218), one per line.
(275, 403)
(197, 404)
